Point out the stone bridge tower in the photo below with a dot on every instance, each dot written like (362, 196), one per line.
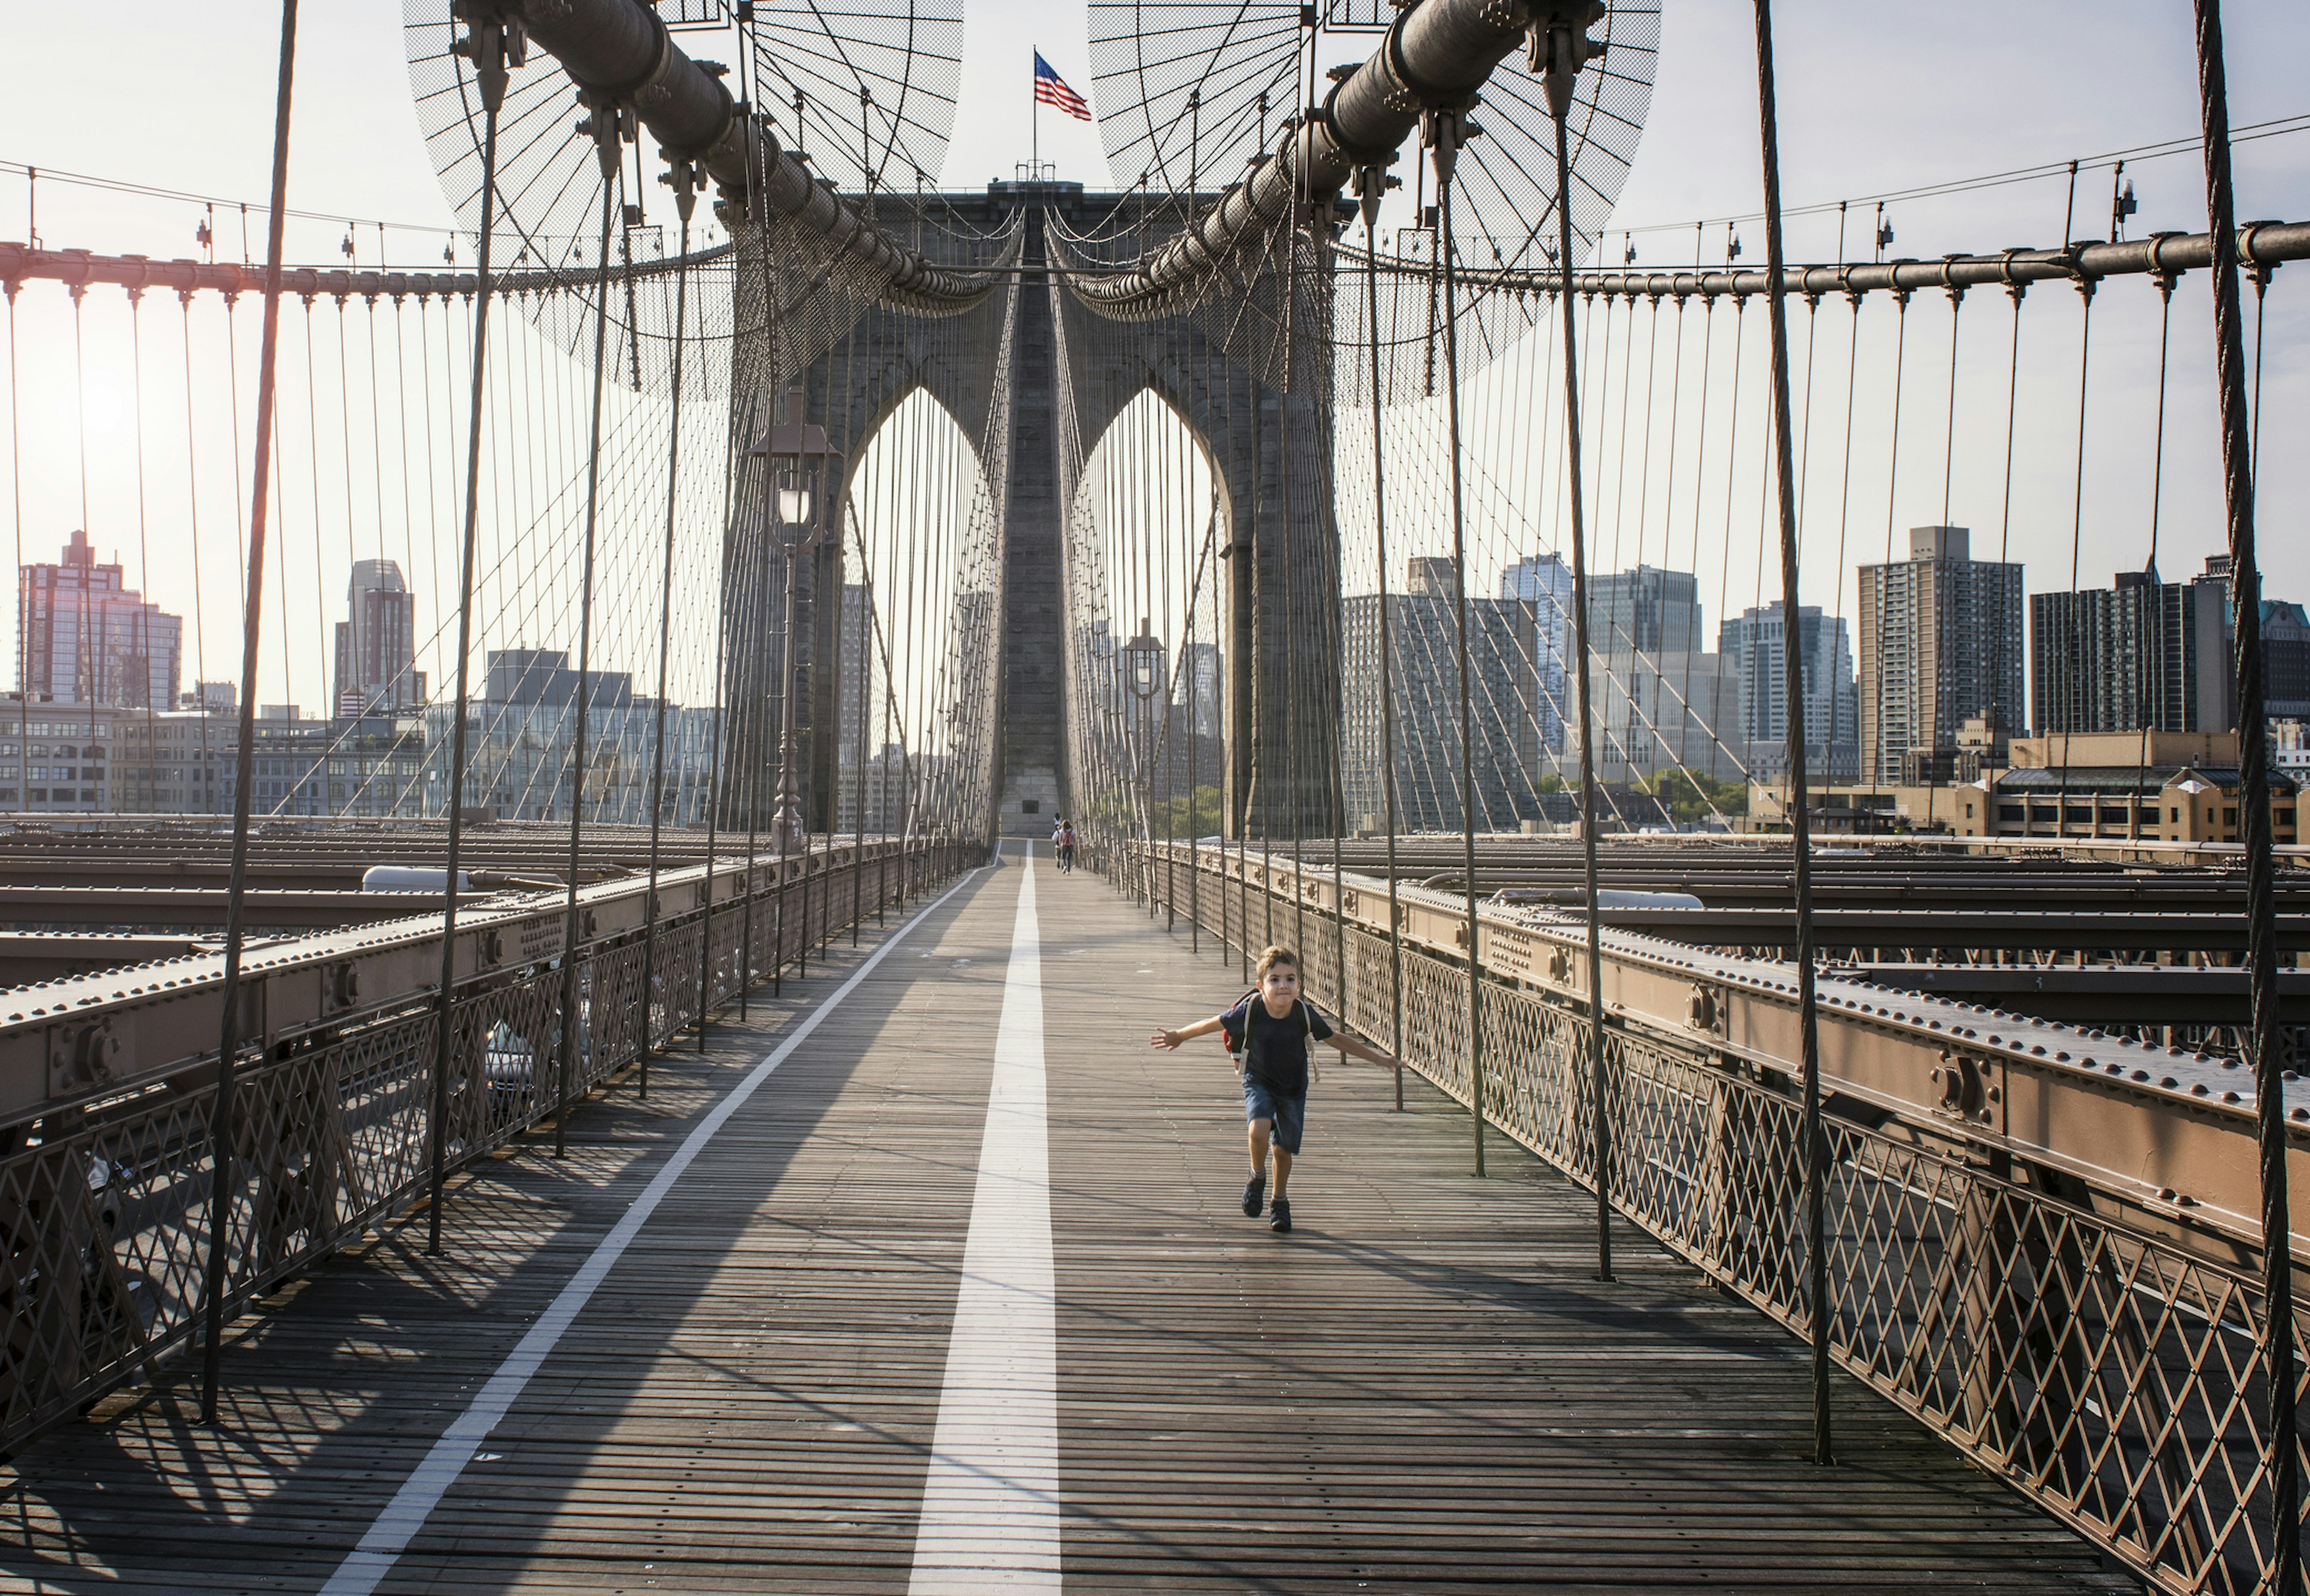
(1034, 380)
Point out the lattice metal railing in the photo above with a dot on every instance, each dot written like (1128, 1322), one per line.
(2112, 1374)
(104, 1220)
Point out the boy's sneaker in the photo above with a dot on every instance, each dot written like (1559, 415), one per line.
(1254, 1192)
(1279, 1217)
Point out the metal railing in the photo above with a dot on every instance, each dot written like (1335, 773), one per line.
(2113, 1374)
(105, 1216)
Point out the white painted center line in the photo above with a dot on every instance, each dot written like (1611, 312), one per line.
(991, 1500)
(370, 1561)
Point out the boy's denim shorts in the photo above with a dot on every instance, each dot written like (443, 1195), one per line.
(1290, 1114)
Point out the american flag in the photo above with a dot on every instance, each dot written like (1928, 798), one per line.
(1052, 90)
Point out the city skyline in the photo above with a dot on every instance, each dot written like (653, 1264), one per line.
(197, 496)
(1676, 703)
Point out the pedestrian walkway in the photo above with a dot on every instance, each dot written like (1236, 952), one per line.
(931, 1277)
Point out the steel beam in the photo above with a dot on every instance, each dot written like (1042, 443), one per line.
(2168, 255)
(2097, 994)
(78, 268)
(80, 1038)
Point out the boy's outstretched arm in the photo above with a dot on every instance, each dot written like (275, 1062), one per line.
(1202, 1027)
(1370, 1055)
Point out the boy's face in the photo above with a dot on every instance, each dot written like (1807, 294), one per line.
(1280, 987)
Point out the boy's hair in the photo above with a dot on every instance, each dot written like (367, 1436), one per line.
(1275, 956)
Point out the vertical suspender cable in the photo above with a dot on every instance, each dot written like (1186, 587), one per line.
(223, 1131)
(1566, 48)
(1294, 726)
(1444, 131)
(757, 714)
(2264, 1050)
(1373, 186)
(2072, 709)
(16, 491)
(1816, 1147)
(1210, 525)
(757, 730)
(717, 743)
(1263, 698)
(1174, 451)
(486, 38)
(605, 116)
(2151, 666)
(2014, 291)
(858, 776)
(144, 624)
(685, 199)
(88, 679)
(1243, 655)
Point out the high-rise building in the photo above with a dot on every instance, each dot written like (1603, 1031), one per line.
(1658, 712)
(375, 651)
(1540, 586)
(1424, 638)
(527, 678)
(2143, 654)
(84, 636)
(1202, 687)
(522, 740)
(1940, 644)
(2286, 660)
(858, 687)
(62, 762)
(1647, 610)
(1751, 646)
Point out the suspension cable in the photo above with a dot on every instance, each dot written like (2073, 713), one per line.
(2282, 1455)
(1816, 1175)
(488, 42)
(224, 1125)
(1445, 130)
(665, 645)
(1599, 1120)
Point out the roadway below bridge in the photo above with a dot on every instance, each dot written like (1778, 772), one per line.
(934, 1274)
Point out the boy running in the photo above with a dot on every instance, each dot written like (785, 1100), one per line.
(1271, 1029)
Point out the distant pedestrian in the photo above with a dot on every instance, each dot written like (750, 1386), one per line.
(1269, 1031)
(1067, 847)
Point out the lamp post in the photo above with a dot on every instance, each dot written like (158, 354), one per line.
(796, 456)
(1143, 678)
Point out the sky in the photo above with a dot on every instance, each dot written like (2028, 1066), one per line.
(1873, 99)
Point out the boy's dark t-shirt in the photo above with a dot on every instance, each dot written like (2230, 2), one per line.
(1277, 1056)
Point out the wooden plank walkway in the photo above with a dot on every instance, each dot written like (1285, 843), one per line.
(1422, 1388)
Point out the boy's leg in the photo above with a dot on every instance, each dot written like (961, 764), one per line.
(1260, 1130)
(1291, 1116)
(1254, 1190)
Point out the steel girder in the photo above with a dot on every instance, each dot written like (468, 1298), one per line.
(2168, 1135)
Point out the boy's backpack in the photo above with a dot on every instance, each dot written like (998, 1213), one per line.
(1239, 1054)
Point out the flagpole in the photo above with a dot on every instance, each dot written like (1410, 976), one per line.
(1035, 121)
